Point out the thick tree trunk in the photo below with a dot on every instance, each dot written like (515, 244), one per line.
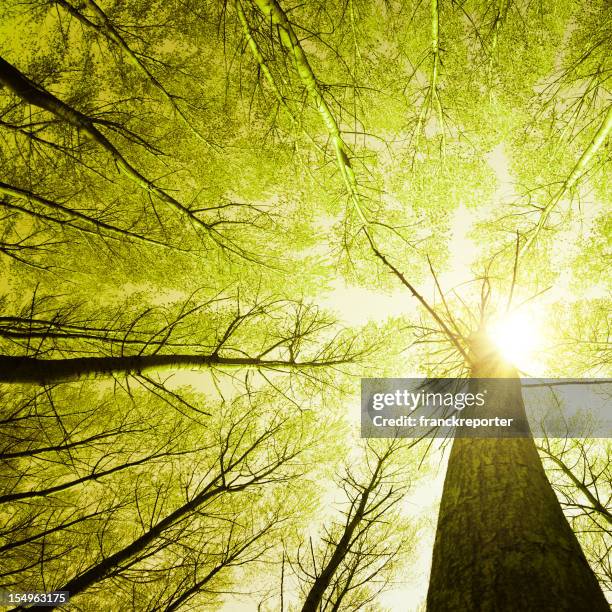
(48, 371)
(502, 541)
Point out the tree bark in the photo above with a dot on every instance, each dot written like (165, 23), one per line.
(48, 371)
(502, 541)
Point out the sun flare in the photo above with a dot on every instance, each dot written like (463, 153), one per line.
(518, 338)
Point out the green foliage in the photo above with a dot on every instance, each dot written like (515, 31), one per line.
(192, 178)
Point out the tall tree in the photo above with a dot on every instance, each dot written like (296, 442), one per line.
(357, 554)
(502, 541)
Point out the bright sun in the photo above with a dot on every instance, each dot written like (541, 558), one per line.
(518, 338)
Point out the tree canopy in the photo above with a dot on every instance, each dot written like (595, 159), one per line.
(216, 216)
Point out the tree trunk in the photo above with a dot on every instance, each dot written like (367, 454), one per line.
(109, 564)
(313, 600)
(502, 541)
(48, 371)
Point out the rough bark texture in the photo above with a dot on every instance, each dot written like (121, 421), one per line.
(502, 541)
